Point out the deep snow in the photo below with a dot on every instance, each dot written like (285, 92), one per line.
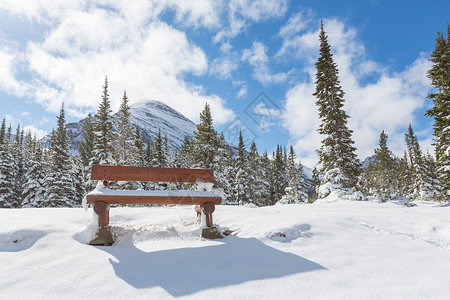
(341, 250)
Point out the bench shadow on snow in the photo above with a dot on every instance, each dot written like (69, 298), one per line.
(189, 270)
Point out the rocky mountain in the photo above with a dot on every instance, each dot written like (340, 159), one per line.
(150, 116)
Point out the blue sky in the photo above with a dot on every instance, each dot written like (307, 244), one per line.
(252, 61)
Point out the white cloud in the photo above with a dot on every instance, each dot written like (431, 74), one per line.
(242, 91)
(258, 59)
(126, 42)
(223, 66)
(387, 102)
(8, 82)
(241, 12)
(35, 131)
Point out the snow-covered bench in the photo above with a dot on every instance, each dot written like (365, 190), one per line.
(103, 196)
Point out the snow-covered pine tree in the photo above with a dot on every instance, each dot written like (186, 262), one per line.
(205, 141)
(159, 154)
(33, 188)
(241, 178)
(268, 187)
(404, 182)
(18, 169)
(432, 187)
(223, 168)
(315, 184)
(124, 135)
(86, 152)
(78, 176)
(103, 149)
(60, 189)
(381, 176)
(139, 151)
(296, 190)
(280, 175)
(258, 184)
(6, 167)
(422, 181)
(183, 158)
(440, 79)
(337, 154)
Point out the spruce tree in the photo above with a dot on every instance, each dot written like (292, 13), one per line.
(241, 184)
(60, 188)
(424, 187)
(6, 168)
(440, 79)
(267, 176)
(124, 151)
(223, 168)
(103, 149)
(137, 157)
(159, 154)
(86, 152)
(381, 176)
(296, 189)
(183, 158)
(205, 140)
(337, 153)
(280, 175)
(33, 193)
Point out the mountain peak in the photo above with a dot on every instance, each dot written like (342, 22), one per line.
(150, 116)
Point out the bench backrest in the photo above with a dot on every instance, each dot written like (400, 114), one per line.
(151, 174)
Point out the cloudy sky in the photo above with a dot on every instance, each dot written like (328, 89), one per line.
(252, 61)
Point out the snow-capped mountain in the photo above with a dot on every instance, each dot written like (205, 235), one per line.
(150, 116)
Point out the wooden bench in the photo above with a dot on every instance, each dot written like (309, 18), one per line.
(102, 196)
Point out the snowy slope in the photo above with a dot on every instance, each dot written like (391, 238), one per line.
(150, 116)
(342, 250)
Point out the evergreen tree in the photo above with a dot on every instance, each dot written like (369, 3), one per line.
(296, 189)
(138, 155)
(315, 184)
(268, 188)
(78, 176)
(159, 152)
(280, 175)
(18, 168)
(183, 158)
(33, 189)
(423, 184)
(205, 140)
(241, 184)
(103, 149)
(440, 79)
(336, 154)
(124, 148)
(223, 168)
(381, 176)
(86, 151)
(6, 167)
(60, 189)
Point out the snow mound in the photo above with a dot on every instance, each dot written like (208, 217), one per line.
(19, 240)
(287, 235)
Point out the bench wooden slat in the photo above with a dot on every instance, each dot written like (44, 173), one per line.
(151, 174)
(174, 200)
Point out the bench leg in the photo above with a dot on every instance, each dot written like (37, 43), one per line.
(207, 209)
(210, 232)
(102, 210)
(104, 236)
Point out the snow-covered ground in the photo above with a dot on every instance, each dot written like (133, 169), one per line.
(341, 250)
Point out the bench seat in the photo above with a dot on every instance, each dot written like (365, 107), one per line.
(170, 197)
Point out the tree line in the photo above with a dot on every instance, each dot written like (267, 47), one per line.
(34, 176)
